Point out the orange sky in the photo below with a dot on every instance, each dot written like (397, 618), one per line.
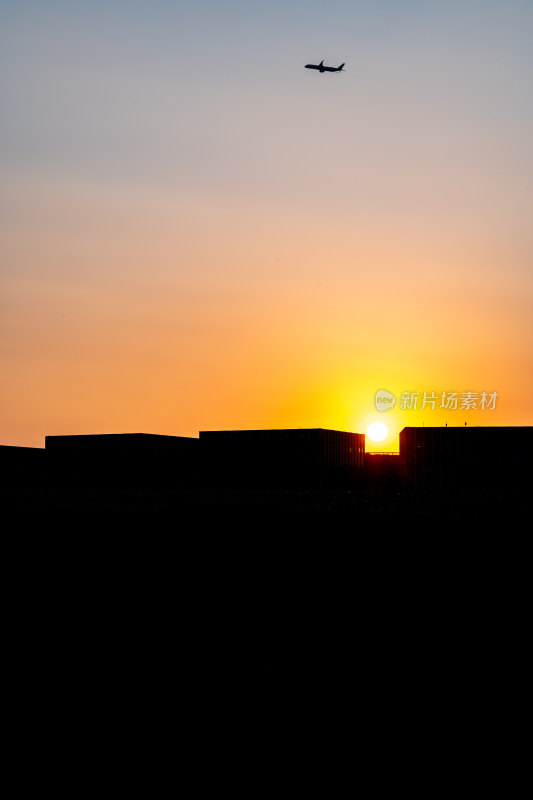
(268, 248)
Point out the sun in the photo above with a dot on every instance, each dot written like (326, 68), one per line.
(377, 431)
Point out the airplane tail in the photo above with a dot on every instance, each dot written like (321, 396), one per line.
(341, 66)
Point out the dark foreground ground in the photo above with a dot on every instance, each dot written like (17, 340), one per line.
(148, 626)
(275, 507)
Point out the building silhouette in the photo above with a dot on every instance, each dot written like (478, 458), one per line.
(430, 459)
(22, 466)
(465, 457)
(124, 459)
(297, 457)
(382, 470)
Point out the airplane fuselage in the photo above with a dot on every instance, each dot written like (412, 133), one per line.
(321, 68)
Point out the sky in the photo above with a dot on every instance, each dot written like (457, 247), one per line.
(197, 233)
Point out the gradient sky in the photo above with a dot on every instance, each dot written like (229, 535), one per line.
(197, 233)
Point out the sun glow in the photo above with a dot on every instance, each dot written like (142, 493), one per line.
(377, 431)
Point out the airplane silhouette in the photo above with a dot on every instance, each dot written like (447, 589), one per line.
(321, 68)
